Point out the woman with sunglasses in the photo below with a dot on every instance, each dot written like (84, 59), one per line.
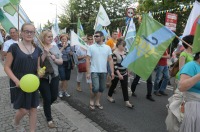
(120, 72)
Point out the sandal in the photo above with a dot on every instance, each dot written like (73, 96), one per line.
(92, 107)
(99, 106)
(110, 99)
(130, 106)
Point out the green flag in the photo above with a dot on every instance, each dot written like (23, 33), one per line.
(80, 31)
(196, 43)
(9, 9)
(152, 40)
(5, 22)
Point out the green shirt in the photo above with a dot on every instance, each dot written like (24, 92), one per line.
(188, 58)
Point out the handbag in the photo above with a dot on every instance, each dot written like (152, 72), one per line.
(174, 69)
(82, 67)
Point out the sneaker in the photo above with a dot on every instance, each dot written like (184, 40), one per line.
(66, 94)
(163, 93)
(60, 94)
(51, 124)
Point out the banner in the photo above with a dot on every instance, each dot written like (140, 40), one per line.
(196, 43)
(171, 21)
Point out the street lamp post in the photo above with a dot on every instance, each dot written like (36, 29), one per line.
(56, 10)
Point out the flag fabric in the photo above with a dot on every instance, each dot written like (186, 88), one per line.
(152, 40)
(76, 40)
(102, 18)
(55, 35)
(192, 20)
(130, 35)
(196, 43)
(56, 27)
(8, 7)
(80, 31)
(1, 39)
(7, 21)
(119, 33)
(4, 2)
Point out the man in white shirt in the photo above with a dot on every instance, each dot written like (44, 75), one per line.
(14, 39)
(97, 56)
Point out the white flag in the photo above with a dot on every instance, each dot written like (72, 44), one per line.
(192, 20)
(102, 18)
(130, 35)
(76, 40)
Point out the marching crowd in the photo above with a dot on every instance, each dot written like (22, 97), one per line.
(100, 64)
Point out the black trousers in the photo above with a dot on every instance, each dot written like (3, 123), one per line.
(49, 93)
(124, 86)
(149, 84)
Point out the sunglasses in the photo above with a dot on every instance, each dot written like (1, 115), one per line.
(96, 36)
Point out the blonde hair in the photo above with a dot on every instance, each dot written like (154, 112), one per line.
(22, 29)
(43, 34)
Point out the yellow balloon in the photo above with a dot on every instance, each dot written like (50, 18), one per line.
(29, 83)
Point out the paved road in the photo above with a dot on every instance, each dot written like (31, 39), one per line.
(147, 116)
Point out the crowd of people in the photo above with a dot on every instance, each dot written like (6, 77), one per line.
(102, 62)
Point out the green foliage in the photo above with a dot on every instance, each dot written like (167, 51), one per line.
(48, 25)
(87, 11)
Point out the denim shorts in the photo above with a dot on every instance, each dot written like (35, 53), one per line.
(98, 82)
(64, 72)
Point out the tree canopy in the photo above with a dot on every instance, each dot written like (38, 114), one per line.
(87, 11)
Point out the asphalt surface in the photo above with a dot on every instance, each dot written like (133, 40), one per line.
(146, 116)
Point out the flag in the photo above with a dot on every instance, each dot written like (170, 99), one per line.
(4, 2)
(7, 21)
(152, 40)
(102, 18)
(130, 35)
(1, 39)
(192, 20)
(119, 33)
(55, 35)
(80, 31)
(8, 7)
(76, 40)
(196, 43)
(56, 27)
(39, 28)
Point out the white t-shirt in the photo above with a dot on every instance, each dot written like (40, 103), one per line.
(99, 55)
(7, 44)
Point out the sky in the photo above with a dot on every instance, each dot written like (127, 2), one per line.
(40, 11)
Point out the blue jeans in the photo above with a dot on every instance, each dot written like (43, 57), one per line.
(98, 82)
(161, 71)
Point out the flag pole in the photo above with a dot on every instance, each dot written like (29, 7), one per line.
(127, 27)
(18, 23)
(25, 21)
(183, 41)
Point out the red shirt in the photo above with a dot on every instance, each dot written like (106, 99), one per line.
(163, 61)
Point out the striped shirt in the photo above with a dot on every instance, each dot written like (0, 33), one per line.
(117, 60)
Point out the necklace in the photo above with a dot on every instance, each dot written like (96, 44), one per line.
(30, 52)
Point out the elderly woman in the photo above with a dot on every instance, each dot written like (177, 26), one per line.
(190, 84)
(66, 67)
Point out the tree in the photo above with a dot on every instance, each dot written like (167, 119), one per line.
(87, 11)
(48, 25)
